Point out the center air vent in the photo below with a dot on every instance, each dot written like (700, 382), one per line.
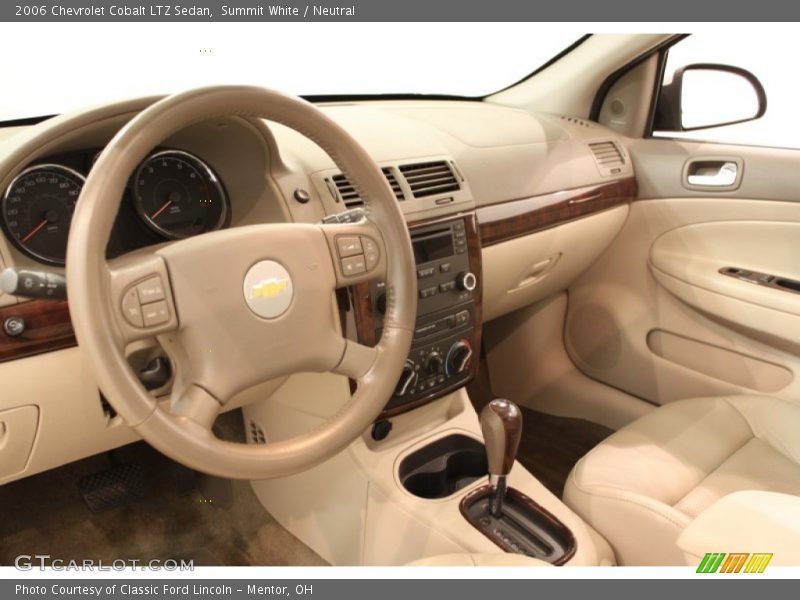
(430, 178)
(347, 193)
(608, 156)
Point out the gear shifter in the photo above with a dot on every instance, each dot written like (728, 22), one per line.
(507, 516)
(501, 423)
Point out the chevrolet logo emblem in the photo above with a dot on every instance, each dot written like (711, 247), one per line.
(270, 288)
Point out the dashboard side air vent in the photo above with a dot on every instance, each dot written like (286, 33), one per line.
(346, 192)
(608, 156)
(430, 178)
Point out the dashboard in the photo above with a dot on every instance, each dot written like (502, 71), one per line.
(505, 208)
(173, 194)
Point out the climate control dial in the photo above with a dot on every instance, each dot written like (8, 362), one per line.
(458, 357)
(434, 363)
(408, 378)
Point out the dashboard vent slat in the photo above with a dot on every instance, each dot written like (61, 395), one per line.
(607, 154)
(430, 178)
(349, 196)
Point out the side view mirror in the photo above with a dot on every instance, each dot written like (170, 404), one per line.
(707, 95)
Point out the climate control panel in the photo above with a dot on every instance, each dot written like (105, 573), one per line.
(432, 367)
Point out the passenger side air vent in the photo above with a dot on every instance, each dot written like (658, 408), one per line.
(430, 178)
(608, 157)
(347, 193)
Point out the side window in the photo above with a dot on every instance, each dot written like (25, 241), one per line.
(710, 97)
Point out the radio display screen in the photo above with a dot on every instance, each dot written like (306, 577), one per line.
(433, 247)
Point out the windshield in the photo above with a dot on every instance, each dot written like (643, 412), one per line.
(62, 67)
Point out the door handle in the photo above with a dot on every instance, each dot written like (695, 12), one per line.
(712, 173)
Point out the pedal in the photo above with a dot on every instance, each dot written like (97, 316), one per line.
(113, 487)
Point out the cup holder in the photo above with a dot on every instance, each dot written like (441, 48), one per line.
(442, 468)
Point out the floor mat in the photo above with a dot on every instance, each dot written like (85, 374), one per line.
(550, 445)
(46, 514)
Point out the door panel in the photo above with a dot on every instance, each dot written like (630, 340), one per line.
(655, 317)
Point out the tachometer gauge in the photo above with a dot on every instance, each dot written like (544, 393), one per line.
(37, 210)
(178, 195)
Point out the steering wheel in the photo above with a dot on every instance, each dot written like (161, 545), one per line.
(239, 306)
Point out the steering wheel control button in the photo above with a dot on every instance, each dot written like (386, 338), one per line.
(150, 290)
(155, 313)
(348, 246)
(268, 289)
(132, 308)
(371, 254)
(14, 326)
(354, 265)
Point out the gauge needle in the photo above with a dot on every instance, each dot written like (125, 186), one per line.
(164, 207)
(34, 231)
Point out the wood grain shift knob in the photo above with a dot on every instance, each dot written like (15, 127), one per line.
(501, 423)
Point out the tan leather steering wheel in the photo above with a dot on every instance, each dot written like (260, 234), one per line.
(243, 305)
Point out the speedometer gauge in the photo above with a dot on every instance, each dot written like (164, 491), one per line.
(178, 195)
(37, 210)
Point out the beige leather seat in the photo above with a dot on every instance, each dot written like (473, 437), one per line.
(643, 485)
(499, 559)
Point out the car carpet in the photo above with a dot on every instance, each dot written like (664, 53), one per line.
(46, 514)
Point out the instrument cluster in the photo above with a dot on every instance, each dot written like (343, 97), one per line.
(172, 195)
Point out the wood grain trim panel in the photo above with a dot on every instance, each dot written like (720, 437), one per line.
(47, 328)
(509, 220)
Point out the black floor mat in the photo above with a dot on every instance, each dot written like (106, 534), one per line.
(550, 445)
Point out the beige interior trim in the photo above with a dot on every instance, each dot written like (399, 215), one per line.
(529, 365)
(528, 269)
(570, 88)
(478, 560)
(17, 433)
(747, 521)
(720, 363)
(695, 254)
(367, 517)
(617, 304)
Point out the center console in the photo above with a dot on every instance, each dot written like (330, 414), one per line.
(444, 351)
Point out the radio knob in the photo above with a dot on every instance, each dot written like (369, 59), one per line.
(434, 364)
(466, 281)
(407, 379)
(458, 357)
